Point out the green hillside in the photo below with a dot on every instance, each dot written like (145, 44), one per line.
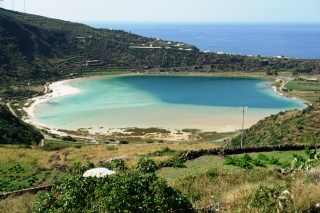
(285, 127)
(15, 131)
(35, 47)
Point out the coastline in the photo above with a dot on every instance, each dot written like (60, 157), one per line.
(61, 88)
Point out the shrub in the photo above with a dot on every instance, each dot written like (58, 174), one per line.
(126, 191)
(111, 148)
(146, 165)
(285, 164)
(264, 199)
(77, 146)
(178, 163)
(231, 160)
(212, 172)
(258, 162)
(68, 138)
(123, 142)
(245, 162)
(274, 160)
(307, 150)
(262, 157)
(115, 164)
(298, 161)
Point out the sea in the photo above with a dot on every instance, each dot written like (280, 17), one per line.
(294, 40)
(171, 102)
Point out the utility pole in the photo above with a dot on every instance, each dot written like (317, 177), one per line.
(243, 109)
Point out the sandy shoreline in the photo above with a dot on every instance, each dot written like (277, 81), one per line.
(61, 88)
(53, 90)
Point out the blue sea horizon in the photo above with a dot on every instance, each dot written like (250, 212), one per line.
(295, 40)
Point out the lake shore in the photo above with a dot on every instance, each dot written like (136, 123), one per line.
(221, 124)
(53, 90)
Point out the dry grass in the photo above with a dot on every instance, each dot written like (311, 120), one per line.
(20, 204)
(306, 196)
(232, 191)
(11, 154)
(96, 153)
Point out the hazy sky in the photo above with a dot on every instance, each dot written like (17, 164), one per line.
(173, 10)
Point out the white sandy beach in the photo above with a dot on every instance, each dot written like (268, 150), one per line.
(54, 90)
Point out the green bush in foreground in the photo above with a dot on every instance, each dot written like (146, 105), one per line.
(130, 190)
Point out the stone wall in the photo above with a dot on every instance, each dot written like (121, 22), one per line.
(26, 191)
(223, 152)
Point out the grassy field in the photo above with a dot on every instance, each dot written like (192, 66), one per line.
(303, 86)
(205, 180)
(202, 164)
(303, 89)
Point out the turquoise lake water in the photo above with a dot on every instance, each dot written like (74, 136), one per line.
(208, 103)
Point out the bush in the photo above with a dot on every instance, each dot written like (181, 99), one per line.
(115, 164)
(146, 165)
(262, 157)
(77, 146)
(178, 163)
(123, 142)
(274, 160)
(245, 162)
(68, 138)
(125, 191)
(111, 148)
(231, 160)
(264, 199)
(258, 162)
(285, 164)
(212, 172)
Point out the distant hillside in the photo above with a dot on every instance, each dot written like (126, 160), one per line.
(39, 49)
(35, 47)
(15, 131)
(285, 127)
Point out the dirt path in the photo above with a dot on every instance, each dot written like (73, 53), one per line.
(11, 110)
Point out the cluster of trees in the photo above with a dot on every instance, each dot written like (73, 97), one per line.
(15, 131)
